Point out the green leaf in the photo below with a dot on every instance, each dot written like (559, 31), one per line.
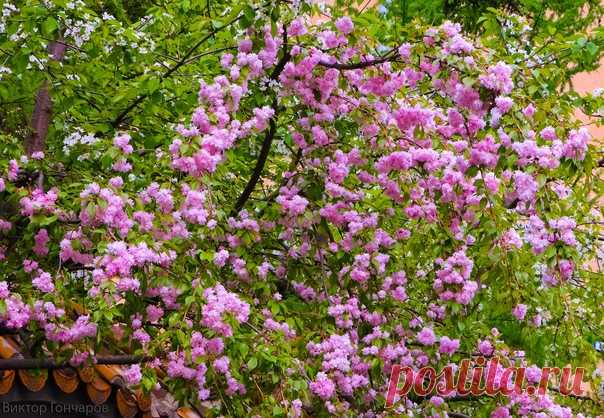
(252, 363)
(47, 220)
(49, 26)
(151, 84)
(249, 13)
(243, 349)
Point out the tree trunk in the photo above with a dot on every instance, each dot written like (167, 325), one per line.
(41, 116)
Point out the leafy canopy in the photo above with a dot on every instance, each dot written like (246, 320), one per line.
(277, 212)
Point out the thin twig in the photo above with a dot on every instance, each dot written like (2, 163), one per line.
(390, 56)
(118, 120)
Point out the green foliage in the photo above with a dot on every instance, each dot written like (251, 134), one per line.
(138, 70)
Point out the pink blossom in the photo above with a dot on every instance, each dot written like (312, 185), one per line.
(41, 238)
(219, 302)
(529, 111)
(132, 374)
(426, 336)
(498, 78)
(503, 103)
(121, 166)
(44, 282)
(519, 311)
(526, 186)
(5, 226)
(548, 133)
(13, 170)
(141, 336)
(245, 45)
(293, 205)
(319, 135)
(491, 182)
(322, 386)
(566, 268)
(39, 202)
(296, 28)
(575, 146)
(116, 182)
(344, 25)
(123, 143)
(154, 313)
(533, 374)
(500, 412)
(405, 50)
(4, 292)
(485, 348)
(436, 401)
(448, 346)
(221, 364)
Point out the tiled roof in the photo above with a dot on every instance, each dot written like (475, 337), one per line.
(99, 382)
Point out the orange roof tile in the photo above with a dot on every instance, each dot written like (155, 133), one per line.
(100, 381)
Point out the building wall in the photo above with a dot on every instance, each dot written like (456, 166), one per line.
(585, 83)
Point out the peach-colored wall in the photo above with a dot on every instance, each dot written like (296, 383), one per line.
(585, 83)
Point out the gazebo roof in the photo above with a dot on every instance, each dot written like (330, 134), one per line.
(98, 385)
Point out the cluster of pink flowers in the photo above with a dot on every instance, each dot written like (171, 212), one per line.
(448, 345)
(221, 302)
(5, 226)
(272, 325)
(122, 142)
(121, 260)
(41, 238)
(43, 281)
(68, 253)
(39, 202)
(104, 206)
(341, 367)
(291, 203)
(82, 328)
(220, 101)
(498, 78)
(344, 313)
(426, 336)
(519, 311)
(453, 279)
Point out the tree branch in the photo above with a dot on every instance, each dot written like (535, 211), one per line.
(46, 363)
(364, 64)
(268, 138)
(119, 119)
(251, 184)
(457, 415)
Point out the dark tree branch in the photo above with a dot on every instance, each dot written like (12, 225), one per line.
(44, 363)
(251, 184)
(457, 415)
(268, 138)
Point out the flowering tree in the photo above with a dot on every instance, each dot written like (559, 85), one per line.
(565, 17)
(332, 205)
